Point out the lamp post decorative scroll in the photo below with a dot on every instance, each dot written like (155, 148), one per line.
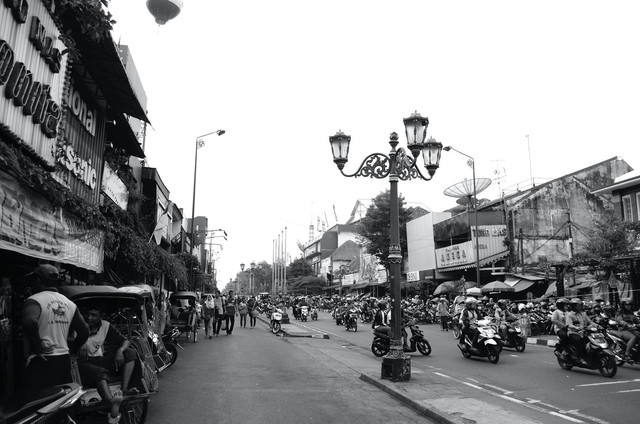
(397, 165)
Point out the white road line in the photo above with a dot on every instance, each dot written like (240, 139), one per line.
(539, 402)
(443, 375)
(500, 389)
(606, 383)
(584, 416)
(473, 380)
(629, 391)
(575, 420)
(473, 385)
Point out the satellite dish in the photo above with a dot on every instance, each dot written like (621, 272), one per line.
(164, 10)
(464, 201)
(465, 188)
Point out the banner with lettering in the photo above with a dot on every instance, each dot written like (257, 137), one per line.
(30, 225)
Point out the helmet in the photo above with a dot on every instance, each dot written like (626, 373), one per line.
(502, 302)
(576, 301)
(521, 307)
(470, 301)
(562, 300)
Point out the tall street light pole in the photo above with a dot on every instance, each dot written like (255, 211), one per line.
(199, 143)
(397, 165)
(475, 208)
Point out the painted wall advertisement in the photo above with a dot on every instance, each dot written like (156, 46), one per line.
(490, 242)
(30, 225)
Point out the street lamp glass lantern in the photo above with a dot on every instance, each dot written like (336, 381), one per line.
(416, 129)
(431, 155)
(241, 267)
(253, 265)
(340, 148)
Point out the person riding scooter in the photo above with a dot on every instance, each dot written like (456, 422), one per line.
(559, 320)
(469, 320)
(502, 316)
(628, 325)
(577, 322)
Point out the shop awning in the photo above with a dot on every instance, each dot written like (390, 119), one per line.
(483, 262)
(522, 285)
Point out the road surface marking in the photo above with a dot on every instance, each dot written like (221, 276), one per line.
(629, 391)
(586, 417)
(575, 420)
(606, 383)
(500, 389)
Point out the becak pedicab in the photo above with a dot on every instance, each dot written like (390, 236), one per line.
(126, 313)
(164, 354)
(183, 313)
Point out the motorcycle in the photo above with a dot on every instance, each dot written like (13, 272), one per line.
(351, 321)
(382, 340)
(170, 341)
(598, 356)
(276, 320)
(304, 313)
(454, 326)
(487, 344)
(514, 339)
(51, 405)
(314, 313)
(619, 346)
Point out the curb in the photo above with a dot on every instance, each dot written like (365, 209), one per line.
(432, 414)
(541, 342)
(308, 335)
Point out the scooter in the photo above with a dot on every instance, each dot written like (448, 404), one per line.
(304, 313)
(314, 313)
(170, 341)
(486, 344)
(382, 340)
(598, 356)
(351, 321)
(618, 346)
(514, 339)
(276, 320)
(51, 405)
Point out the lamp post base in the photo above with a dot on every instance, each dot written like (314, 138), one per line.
(396, 366)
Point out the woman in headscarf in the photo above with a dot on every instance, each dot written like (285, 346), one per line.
(209, 310)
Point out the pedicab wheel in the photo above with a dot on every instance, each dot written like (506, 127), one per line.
(608, 367)
(494, 354)
(378, 350)
(564, 364)
(424, 347)
(275, 328)
(520, 344)
(134, 412)
(172, 350)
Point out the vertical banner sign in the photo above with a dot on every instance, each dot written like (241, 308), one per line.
(30, 225)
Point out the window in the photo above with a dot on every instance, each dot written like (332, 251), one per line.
(627, 211)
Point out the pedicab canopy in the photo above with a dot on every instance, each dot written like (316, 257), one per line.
(103, 297)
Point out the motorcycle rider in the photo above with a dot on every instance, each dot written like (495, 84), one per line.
(502, 316)
(469, 320)
(577, 321)
(627, 322)
(559, 320)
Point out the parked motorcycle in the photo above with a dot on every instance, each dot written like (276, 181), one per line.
(170, 341)
(382, 340)
(486, 344)
(304, 313)
(351, 321)
(514, 339)
(598, 355)
(51, 405)
(314, 313)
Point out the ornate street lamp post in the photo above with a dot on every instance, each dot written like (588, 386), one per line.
(250, 270)
(397, 165)
(199, 144)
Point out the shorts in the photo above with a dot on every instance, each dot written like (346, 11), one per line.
(94, 369)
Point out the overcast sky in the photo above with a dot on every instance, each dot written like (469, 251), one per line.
(280, 77)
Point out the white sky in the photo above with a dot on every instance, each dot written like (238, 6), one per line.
(282, 76)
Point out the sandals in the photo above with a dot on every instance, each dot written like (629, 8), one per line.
(115, 420)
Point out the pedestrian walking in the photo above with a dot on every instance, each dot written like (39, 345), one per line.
(243, 311)
(209, 316)
(163, 307)
(218, 313)
(252, 307)
(443, 312)
(231, 311)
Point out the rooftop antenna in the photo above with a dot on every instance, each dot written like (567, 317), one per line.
(500, 173)
(533, 184)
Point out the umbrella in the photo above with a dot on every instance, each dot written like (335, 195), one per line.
(497, 286)
(473, 291)
(446, 287)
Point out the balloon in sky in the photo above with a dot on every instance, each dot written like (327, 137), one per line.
(164, 10)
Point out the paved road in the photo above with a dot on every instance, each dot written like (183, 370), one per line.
(253, 376)
(532, 378)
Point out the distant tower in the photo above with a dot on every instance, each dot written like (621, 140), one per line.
(311, 232)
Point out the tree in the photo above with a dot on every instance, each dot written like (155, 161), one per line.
(307, 285)
(299, 268)
(610, 237)
(375, 228)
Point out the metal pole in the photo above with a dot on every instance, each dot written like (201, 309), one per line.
(193, 210)
(475, 217)
(395, 364)
(285, 259)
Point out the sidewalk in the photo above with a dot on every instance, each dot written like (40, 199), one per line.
(440, 398)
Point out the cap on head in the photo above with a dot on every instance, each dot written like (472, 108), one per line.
(47, 272)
